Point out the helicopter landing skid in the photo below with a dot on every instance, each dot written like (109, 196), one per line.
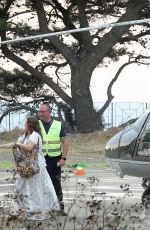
(146, 193)
(146, 183)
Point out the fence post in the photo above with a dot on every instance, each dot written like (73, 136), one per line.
(9, 121)
(146, 106)
(112, 112)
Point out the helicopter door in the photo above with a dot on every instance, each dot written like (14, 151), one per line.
(143, 143)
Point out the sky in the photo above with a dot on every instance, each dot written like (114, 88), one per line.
(133, 84)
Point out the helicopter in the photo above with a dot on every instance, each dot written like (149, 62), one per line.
(128, 152)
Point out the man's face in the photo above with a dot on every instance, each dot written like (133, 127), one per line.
(44, 113)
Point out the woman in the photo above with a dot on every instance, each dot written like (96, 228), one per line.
(35, 194)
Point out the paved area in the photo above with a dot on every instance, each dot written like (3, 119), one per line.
(99, 195)
(94, 181)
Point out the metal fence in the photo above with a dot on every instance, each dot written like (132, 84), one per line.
(122, 112)
(116, 114)
(13, 120)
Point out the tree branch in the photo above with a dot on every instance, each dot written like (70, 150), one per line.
(66, 51)
(86, 36)
(37, 74)
(109, 94)
(17, 108)
(134, 37)
(111, 38)
(67, 20)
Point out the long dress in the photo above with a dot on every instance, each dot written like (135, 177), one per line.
(36, 193)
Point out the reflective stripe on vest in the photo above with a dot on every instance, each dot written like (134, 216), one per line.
(51, 140)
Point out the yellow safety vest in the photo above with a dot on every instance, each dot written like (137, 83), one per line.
(51, 140)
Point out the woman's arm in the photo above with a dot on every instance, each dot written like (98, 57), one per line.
(26, 147)
(9, 145)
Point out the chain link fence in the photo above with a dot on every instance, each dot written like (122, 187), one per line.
(117, 114)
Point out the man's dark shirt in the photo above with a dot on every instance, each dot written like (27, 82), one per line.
(48, 125)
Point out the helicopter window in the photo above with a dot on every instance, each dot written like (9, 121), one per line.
(140, 121)
(147, 128)
(144, 145)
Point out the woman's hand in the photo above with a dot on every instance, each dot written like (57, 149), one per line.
(16, 144)
(9, 145)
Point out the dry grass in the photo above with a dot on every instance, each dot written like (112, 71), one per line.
(6, 156)
(78, 143)
(93, 142)
(10, 136)
(81, 148)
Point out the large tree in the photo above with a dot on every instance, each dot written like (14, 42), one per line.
(51, 58)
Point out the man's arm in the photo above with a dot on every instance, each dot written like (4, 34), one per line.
(65, 144)
(64, 141)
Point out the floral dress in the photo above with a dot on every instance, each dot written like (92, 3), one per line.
(36, 193)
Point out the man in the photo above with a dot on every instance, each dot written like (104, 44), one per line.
(55, 148)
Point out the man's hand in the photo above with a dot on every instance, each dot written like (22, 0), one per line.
(62, 162)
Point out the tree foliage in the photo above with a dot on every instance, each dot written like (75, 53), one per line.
(19, 83)
(67, 61)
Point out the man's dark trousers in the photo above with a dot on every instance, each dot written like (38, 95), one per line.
(54, 172)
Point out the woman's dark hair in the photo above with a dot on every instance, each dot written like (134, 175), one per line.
(33, 125)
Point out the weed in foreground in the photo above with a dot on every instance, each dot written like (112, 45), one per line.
(90, 208)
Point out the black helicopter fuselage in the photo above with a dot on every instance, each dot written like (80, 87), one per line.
(128, 152)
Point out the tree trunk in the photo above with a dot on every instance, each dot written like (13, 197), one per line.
(87, 119)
